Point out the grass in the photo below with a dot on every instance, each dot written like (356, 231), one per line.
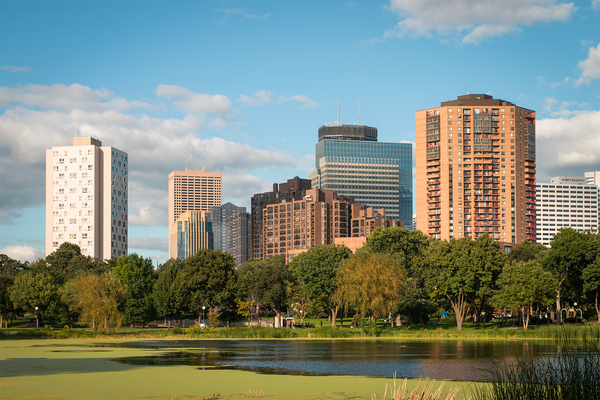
(429, 331)
(55, 369)
(568, 375)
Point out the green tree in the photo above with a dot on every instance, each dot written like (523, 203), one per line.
(9, 269)
(522, 284)
(207, 279)
(371, 282)
(68, 262)
(410, 244)
(525, 251)
(165, 288)
(567, 257)
(96, 298)
(463, 271)
(414, 303)
(591, 282)
(315, 275)
(37, 293)
(138, 276)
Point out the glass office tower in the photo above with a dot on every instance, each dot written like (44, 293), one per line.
(376, 174)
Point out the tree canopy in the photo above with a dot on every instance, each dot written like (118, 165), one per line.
(138, 276)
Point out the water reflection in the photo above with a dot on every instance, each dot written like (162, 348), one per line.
(452, 359)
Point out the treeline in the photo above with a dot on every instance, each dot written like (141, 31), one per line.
(398, 275)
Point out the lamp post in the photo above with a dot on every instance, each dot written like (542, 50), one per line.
(71, 315)
(37, 321)
(258, 313)
(203, 308)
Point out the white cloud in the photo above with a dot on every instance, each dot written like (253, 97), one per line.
(260, 98)
(240, 11)
(590, 67)
(474, 20)
(189, 101)
(156, 146)
(568, 145)
(149, 243)
(13, 69)
(596, 4)
(304, 101)
(23, 253)
(549, 103)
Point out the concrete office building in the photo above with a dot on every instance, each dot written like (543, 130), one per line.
(319, 217)
(350, 161)
(86, 198)
(565, 202)
(192, 190)
(475, 169)
(191, 231)
(231, 231)
(293, 189)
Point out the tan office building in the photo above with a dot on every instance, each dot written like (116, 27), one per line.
(192, 190)
(475, 169)
(192, 231)
(86, 198)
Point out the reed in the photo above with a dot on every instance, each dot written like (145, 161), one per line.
(423, 391)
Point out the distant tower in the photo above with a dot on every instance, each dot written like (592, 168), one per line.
(86, 198)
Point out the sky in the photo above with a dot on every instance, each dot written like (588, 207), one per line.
(241, 87)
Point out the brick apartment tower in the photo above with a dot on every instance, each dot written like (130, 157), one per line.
(293, 189)
(475, 169)
(192, 190)
(86, 198)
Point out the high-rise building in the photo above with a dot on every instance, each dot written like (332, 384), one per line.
(475, 169)
(293, 189)
(319, 217)
(192, 190)
(231, 231)
(565, 202)
(86, 198)
(593, 178)
(350, 161)
(191, 231)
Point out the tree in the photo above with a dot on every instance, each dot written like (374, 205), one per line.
(372, 282)
(138, 276)
(525, 251)
(165, 288)
(96, 298)
(591, 282)
(414, 303)
(463, 270)
(410, 244)
(68, 262)
(9, 269)
(566, 258)
(522, 284)
(37, 293)
(207, 279)
(315, 273)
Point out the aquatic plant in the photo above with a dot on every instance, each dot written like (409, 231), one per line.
(423, 391)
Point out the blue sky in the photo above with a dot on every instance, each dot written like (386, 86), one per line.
(242, 87)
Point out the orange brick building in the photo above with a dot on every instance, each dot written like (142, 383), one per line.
(475, 169)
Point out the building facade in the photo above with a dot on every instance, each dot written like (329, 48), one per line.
(231, 231)
(192, 190)
(475, 169)
(86, 198)
(565, 202)
(319, 217)
(191, 231)
(350, 161)
(293, 189)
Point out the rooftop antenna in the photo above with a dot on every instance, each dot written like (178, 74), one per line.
(338, 115)
(359, 112)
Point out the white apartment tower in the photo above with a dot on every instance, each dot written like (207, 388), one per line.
(86, 198)
(565, 202)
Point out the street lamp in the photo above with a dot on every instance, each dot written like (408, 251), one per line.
(71, 315)
(37, 321)
(203, 308)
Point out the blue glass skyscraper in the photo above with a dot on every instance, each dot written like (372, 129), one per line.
(351, 162)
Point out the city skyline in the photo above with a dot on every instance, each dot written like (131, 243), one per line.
(242, 87)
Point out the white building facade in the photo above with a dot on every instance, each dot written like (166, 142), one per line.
(565, 202)
(86, 198)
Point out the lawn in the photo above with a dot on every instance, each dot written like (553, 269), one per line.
(70, 369)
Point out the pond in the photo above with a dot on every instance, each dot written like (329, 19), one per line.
(461, 360)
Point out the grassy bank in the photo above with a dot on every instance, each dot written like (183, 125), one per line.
(53, 369)
(580, 331)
